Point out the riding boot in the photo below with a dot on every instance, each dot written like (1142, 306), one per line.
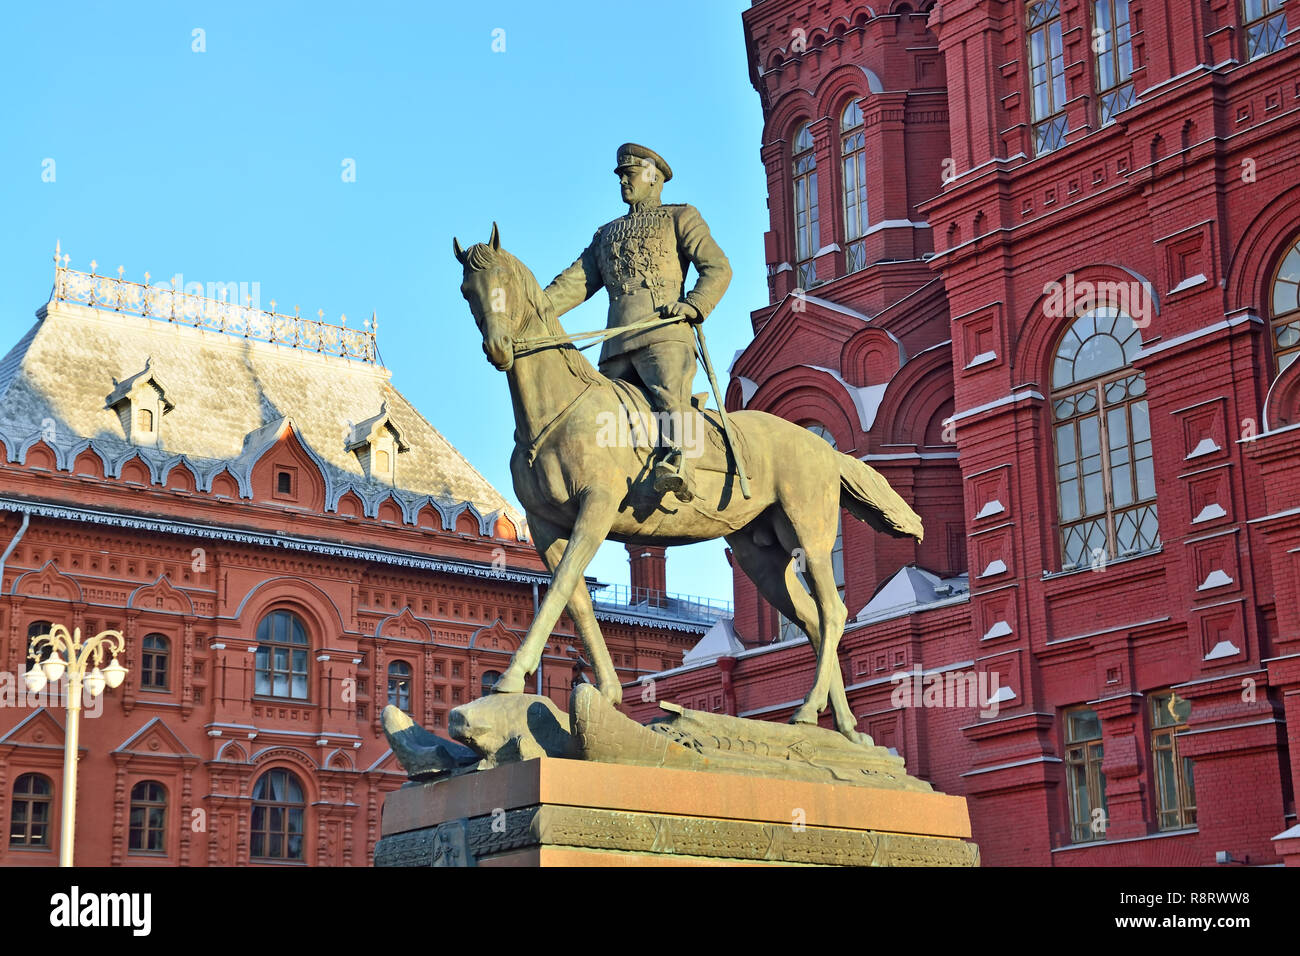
(669, 476)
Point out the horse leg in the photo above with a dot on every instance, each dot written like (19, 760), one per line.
(772, 571)
(814, 535)
(830, 681)
(550, 542)
(845, 722)
(595, 516)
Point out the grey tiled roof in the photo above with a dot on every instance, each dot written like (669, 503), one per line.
(231, 398)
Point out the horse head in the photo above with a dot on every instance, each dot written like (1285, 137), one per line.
(497, 294)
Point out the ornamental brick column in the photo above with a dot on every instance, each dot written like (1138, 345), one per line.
(372, 815)
(974, 55)
(1128, 802)
(17, 641)
(887, 174)
(134, 657)
(347, 825)
(119, 808)
(378, 687)
(187, 812)
(187, 668)
(1076, 43)
(777, 242)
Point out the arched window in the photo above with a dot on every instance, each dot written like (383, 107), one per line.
(787, 629)
(36, 629)
(29, 814)
(281, 659)
(144, 419)
(853, 151)
(805, 206)
(1284, 308)
(278, 811)
(1105, 476)
(153, 662)
(489, 679)
(148, 818)
(399, 685)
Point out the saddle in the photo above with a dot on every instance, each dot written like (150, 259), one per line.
(701, 434)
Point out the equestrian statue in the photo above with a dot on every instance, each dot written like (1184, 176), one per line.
(626, 453)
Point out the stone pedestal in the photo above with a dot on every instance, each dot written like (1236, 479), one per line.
(556, 812)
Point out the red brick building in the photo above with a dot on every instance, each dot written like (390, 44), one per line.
(1038, 263)
(287, 544)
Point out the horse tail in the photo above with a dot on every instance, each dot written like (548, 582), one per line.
(866, 495)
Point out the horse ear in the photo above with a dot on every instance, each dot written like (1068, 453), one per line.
(455, 247)
(495, 241)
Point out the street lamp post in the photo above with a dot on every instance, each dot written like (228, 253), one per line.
(78, 655)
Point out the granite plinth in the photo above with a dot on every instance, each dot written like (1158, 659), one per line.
(558, 812)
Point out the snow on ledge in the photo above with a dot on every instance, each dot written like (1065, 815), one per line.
(996, 566)
(1189, 282)
(1222, 649)
(1210, 512)
(1215, 579)
(999, 629)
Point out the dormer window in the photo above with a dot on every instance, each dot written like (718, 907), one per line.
(140, 401)
(377, 443)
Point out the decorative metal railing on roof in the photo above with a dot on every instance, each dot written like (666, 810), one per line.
(166, 302)
(659, 604)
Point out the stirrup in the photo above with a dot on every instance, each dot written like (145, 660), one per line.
(667, 479)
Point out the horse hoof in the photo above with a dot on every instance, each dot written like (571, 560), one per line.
(858, 737)
(509, 683)
(613, 693)
(804, 715)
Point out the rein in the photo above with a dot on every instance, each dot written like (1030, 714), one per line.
(539, 342)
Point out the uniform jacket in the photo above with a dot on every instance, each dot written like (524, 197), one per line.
(641, 260)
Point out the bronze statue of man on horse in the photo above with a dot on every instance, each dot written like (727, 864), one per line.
(577, 490)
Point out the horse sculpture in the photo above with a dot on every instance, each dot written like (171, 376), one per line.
(580, 484)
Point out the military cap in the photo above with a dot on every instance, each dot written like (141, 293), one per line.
(634, 156)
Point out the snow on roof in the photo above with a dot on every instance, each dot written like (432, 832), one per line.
(909, 590)
(866, 399)
(836, 307)
(719, 641)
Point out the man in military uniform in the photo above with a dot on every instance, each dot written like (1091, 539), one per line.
(641, 260)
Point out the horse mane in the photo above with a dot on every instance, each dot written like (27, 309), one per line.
(481, 256)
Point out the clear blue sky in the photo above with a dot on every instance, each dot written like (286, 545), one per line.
(226, 165)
